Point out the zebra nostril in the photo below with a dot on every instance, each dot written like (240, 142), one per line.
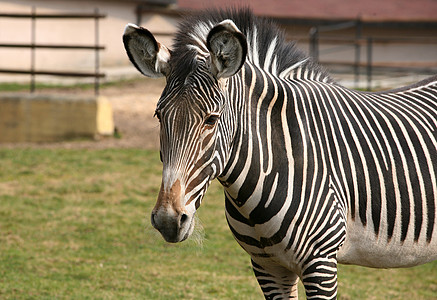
(153, 219)
(184, 218)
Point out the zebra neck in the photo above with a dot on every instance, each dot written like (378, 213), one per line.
(261, 157)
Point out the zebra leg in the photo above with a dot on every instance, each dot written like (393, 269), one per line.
(276, 282)
(320, 278)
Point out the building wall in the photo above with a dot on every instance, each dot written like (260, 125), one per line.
(114, 60)
(73, 31)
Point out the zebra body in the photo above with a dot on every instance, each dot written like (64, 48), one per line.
(314, 173)
(410, 237)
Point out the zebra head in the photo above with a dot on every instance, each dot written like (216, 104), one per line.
(196, 126)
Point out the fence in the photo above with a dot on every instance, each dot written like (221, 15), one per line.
(358, 42)
(34, 46)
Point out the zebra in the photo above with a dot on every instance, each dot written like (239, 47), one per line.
(314, 174)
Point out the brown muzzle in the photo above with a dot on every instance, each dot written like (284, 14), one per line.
(170, 217)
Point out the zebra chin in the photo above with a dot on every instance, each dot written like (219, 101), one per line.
(174, 228)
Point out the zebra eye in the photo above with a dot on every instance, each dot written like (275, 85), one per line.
(211, 120)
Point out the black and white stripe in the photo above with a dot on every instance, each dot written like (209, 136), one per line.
(318, 156)
(314, 173)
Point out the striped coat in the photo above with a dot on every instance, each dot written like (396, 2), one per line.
(314, 173)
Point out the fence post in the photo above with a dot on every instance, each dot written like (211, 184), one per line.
(314, 43)
(32, 49)
(97, 56)
(369, 63)
(358, 32)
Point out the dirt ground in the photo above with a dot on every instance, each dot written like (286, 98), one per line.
(133, 104)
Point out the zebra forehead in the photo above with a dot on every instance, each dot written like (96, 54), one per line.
(188, 109)
(190, 103)
(197, 90)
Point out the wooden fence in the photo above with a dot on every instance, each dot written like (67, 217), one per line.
(34, 16)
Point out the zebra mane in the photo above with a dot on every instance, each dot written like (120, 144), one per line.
(267, 47)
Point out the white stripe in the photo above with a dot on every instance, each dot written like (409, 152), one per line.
(269, 54)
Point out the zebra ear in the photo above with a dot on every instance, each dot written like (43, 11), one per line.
(148, 56)
(228, 49)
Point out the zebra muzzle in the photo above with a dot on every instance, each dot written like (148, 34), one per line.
(169, 216)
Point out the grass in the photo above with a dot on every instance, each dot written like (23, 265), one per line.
(40, 86)
(74, 224)
(25, 87)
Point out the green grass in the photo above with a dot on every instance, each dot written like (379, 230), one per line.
(74, 224)
(40, 86)
(25, 87)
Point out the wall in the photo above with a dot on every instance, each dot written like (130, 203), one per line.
(70, 31)
(119, 13)
(45, 118)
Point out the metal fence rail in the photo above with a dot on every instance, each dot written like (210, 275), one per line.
(359, 42)
(96, 74)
